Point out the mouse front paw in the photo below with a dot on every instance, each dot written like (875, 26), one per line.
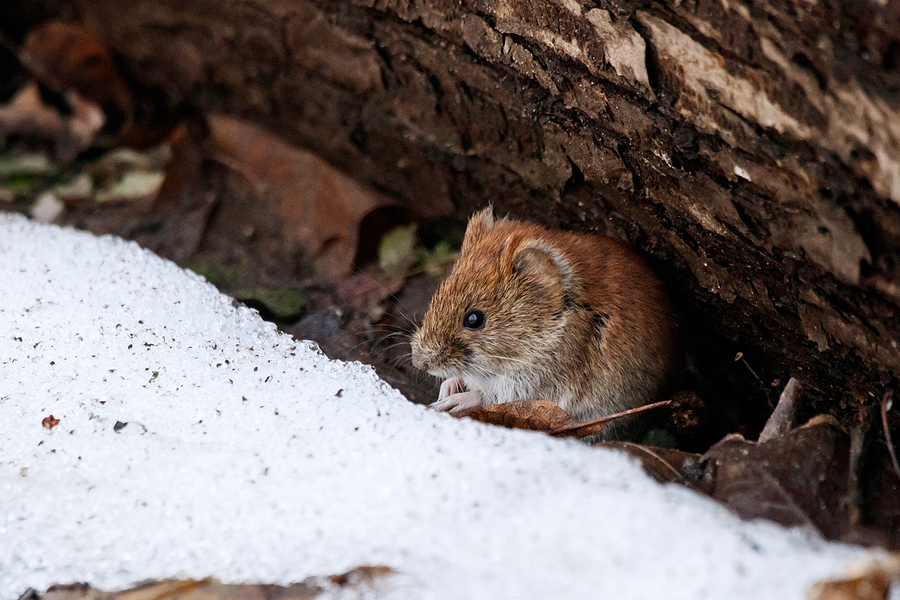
(459, 401)
(453, 385)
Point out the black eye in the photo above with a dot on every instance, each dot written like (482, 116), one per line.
(474, 319)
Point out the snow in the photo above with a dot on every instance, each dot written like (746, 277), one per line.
(252, 457)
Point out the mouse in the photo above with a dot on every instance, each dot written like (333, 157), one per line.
(530, 313)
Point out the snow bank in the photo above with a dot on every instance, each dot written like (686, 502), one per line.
(253, 458)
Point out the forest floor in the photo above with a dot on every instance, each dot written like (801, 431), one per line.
(330, 261)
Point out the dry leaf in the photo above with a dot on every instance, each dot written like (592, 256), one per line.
(871, 581)
(362, 574)
(539, 415)
(795, 479)
(663, 464)
(66, 57)
(543, 415)
(319, 208)
(359, 582)
(27, 115)
(49, 422)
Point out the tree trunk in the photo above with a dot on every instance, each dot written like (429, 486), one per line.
(750, 149)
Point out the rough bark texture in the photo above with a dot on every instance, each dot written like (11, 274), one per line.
(750, 149)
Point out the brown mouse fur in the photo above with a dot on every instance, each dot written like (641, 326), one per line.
(576, 319)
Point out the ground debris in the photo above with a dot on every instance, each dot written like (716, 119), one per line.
(870, 581)
(360, 582)
(543, 415)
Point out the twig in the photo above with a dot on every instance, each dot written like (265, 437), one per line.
(594, 427)
(886, 403)
(740, 357)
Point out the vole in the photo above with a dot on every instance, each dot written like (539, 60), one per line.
(533, 314)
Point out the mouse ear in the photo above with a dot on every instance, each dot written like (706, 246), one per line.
(483, 219)
(543, 264)
(479, 225)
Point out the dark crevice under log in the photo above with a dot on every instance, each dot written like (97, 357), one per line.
(750, 150)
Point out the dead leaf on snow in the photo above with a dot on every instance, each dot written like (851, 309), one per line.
(363, 574)
(870, 581)
(362, 581)
(49, 422)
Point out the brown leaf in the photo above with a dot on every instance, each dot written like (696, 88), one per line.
(796, 479)
(539, 415)
(49, 422)
(361, 574)
(358, 581)
(66, 57)
(804, 477)
(319, 209)
(872, 581)
(71, 591)
(663, 464)
(543, 415)
(27, 115)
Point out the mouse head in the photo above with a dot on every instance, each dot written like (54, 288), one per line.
(502, 307)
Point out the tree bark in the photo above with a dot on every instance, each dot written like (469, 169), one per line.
(750, 149)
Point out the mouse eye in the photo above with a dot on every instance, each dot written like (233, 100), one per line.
(474, 319)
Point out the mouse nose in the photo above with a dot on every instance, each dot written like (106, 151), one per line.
(420, 362)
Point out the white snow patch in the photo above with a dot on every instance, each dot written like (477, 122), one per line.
(241, 461)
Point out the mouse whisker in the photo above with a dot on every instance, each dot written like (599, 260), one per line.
(405, 358)
(383, 330)
(409, 320)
